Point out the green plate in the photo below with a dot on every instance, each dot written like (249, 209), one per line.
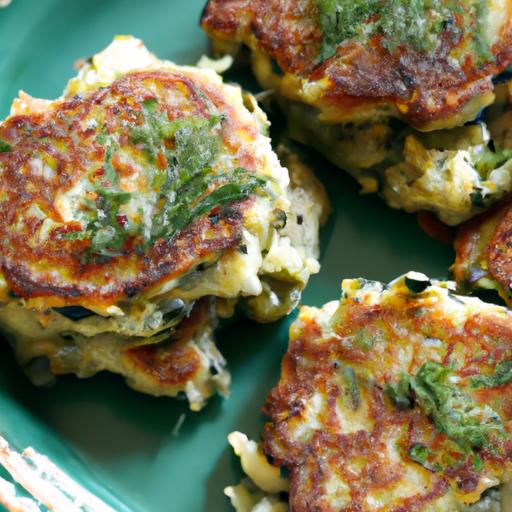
(115, 442)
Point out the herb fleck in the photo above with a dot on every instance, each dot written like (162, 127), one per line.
(179, 164)
(4, 146)
(400, 393)
(415, 23)
(418, 453)
(352, 387)
(502, 375)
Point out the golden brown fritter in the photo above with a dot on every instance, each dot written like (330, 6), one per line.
(483, 250)
(145, 191)
(118, 149)
(394, 399)
(431, 63)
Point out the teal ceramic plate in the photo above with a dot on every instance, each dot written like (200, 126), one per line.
(115, 442)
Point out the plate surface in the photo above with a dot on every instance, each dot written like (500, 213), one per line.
(118, 443)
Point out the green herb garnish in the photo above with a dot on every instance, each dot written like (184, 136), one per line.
(106, 233)
(155, 128)
(363, 339)
(342, 20)
(453, 412)
(481, 42)
(501, 376)
(197, 146)
(400, 393)
(188, 188)
(418, 453)
(350, 379)
(477, 462)
(74, 235)
(231, 187)
(488, 160)
(415, 23)
(110, 172)
(4, 147)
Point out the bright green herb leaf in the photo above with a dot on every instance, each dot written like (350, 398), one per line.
(183, 214)
(416, 23)
(400, 393)
(110, 172)
(107, 236)
(74, 235)
(454, 412)
(196, 145)
(488, 160)
(418, 453)
(477, 463)
(363, 339)
(342, 20)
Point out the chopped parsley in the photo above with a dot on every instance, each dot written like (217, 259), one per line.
(352, 387)
(364, 339)
(400, 393)
(415, 23)
(342, 20)
(230, 187)
(453, 411)
(155, 128)
(109, 234)
(196, 146)
(110, 173)
(187, 184)
(489, 160)
(480, 40)
(418, 453)
(427, 457)
(477, 462)
(501, 376)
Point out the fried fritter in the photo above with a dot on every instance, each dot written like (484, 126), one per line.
(455, 173)
(397, 69)
(430, 63)
(126, 203)
(396, 398)
(484, 252)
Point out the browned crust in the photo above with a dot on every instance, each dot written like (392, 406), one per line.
(499, 250)
(425, 87)
(312, 365)
(174, 362)
(466, 245)
(483, 248)
(62, 133)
